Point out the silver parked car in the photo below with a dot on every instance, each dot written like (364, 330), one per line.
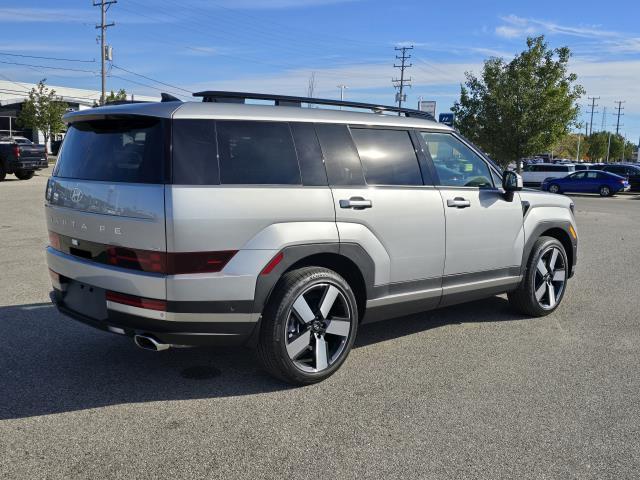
(286, 228)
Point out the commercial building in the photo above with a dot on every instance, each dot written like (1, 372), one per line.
(14, 94)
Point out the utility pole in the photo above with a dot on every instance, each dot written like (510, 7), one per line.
(608, 147)
(620, 108)
(593, 110)
(104, 7)
(402, 82)
(603, 125)
(311, 87)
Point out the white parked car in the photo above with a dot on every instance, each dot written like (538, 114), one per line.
(535, 174)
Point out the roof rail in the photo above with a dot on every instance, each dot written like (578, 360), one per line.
(292, 101)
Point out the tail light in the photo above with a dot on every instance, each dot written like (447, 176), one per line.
(198, 262)
(16, 151)
(169, 263)
(54, 240)
(139, 302)
(144, 260)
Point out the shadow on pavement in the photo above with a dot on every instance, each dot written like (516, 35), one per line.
(50, 364)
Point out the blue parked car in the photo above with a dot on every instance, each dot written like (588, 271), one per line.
(587, 181)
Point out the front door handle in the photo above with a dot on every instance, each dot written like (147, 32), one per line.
(357, 203)
(458, 202)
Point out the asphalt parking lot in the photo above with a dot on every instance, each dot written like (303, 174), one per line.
(473, 391)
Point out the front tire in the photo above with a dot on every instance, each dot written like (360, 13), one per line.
(545, 279)
(309, 326)
(3, 172)
(24, 175)
(605, 191)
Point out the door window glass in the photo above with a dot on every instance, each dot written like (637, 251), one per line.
(388, 156)
(456, 164)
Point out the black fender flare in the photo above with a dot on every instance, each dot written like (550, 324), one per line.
(295, 253)
(543, 227)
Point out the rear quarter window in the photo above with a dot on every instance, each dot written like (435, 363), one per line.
(194, 152)
(257, 153)
(128, 150)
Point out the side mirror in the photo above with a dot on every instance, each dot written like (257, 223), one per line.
(511, 181)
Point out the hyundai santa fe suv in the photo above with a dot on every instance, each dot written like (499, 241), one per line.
(285, 228)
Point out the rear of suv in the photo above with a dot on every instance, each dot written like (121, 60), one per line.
(285, 228)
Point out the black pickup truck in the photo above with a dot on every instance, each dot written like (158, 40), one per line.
(22, 157)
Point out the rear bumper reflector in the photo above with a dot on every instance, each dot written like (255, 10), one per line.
(138, 302)
(273, 263)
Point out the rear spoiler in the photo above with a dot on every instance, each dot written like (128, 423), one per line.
(147, 109)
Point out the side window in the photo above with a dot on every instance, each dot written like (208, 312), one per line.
(388, 156)
(579, 176)
(340, 155)
(456, 164)
(309, 154)
(497, 179)
(592, 175)
(195, 156)
(257, 153)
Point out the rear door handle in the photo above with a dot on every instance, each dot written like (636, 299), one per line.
(458, 202)
(357, 203)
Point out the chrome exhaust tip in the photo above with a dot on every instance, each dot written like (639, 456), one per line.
(149, 343)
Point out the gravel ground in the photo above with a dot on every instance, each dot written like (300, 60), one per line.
(473, 391)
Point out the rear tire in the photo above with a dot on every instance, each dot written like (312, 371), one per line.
(308, 326)
(24, 175)
(553, 188)
(605, 191)
(3, 172)
(544, 281)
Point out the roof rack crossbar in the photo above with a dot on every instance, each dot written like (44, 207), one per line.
(289, 101)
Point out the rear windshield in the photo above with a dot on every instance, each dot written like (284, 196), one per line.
(127, 150)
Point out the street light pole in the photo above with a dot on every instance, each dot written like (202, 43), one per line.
(342, 87)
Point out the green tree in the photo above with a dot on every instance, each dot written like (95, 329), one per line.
(522, 107)
(599, 143)
(43, 111)
(567, 146)
(116, 97)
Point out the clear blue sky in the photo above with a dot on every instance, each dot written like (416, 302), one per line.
(275, 45)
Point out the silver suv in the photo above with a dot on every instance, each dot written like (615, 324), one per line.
(285, 228)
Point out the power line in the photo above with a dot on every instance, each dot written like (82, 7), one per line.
(49, 67)
(402, 82)
(620, 108)
(147, 85)
(593, 106)
(152, 79)
(47, 58)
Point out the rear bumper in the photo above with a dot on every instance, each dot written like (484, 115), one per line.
(219, 333)
(28, 164)
(185, 322)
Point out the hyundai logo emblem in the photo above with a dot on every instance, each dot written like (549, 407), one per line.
(76, 196)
